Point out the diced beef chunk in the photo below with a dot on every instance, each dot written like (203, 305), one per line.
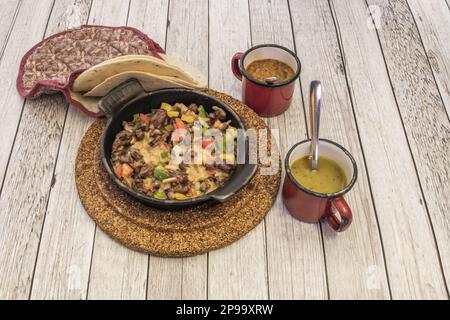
(182, 178)
(123, 138)
(182, 166)
(203, 186)
(144, 125)
(193, 107)
(181, 189)
(159, 118)
(146, 171)
(126, 158)
(135, 154)
(139, 134)
(219, 114)
(170, 194)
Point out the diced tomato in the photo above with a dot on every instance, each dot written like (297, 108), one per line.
(211, 173)
(148, 186)
(127, 171)
(179, 124)
(206, 143)
(118, 171)
(190, 193)
(144, 117)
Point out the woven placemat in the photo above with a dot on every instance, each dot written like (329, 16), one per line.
(179, 233)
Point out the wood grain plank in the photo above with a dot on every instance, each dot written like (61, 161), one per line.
(64, 259)
(28, 30)
(187, 37)
(423, 114)
(23, 206)
(178, 278)
(433, 22)
(350, 256)
(296, 266)
(116, 271)
(165, 279)
(239, 270)
(412, 260)
(10, 8)
(25, 193)
(150, 16)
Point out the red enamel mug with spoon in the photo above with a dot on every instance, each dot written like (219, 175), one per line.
(266, 99)
(313, 207)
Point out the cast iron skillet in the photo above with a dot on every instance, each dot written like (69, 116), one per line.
(128, 99)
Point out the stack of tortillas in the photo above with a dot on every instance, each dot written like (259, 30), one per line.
(86, 63)
(151, 72)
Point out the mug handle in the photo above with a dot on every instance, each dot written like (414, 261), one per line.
(344, 211)
(235, 65)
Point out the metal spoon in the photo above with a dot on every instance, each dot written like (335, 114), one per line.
(271, 80)
(315, 97)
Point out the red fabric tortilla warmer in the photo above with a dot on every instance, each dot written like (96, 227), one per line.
(45, 85)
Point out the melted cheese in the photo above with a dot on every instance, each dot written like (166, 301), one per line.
(197, 173)
(150, 154)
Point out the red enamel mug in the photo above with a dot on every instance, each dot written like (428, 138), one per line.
(312, 207)
(266, 99)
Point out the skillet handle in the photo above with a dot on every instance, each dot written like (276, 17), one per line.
(120, 95)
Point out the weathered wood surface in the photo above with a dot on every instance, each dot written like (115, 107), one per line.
(294, 250)
(10, 8)
(412, 257)
(239, 270)
(423, 114)
(187, 37)
(431, 17)
(349, 256)
(23, 199)
(64, 260)
(386, 85)
(124, 271)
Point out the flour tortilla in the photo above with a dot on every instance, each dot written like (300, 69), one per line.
(89, 103)
(149, 82)
(174, 60)
(95, 75)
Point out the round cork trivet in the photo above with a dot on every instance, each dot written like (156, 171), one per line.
(180, 233)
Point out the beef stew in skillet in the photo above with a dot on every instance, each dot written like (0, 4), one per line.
(146, 154)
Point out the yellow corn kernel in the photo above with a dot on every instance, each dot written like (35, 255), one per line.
(166, 106)
(180, 196)
(188, 118)
(173, 114)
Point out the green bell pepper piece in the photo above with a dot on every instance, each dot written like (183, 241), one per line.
(202, 112)
(160, 174)
(164, 155)
(160, 194)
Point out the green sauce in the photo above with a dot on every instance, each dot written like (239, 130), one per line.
(328, 178)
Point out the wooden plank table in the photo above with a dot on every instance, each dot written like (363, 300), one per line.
(385, 68)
